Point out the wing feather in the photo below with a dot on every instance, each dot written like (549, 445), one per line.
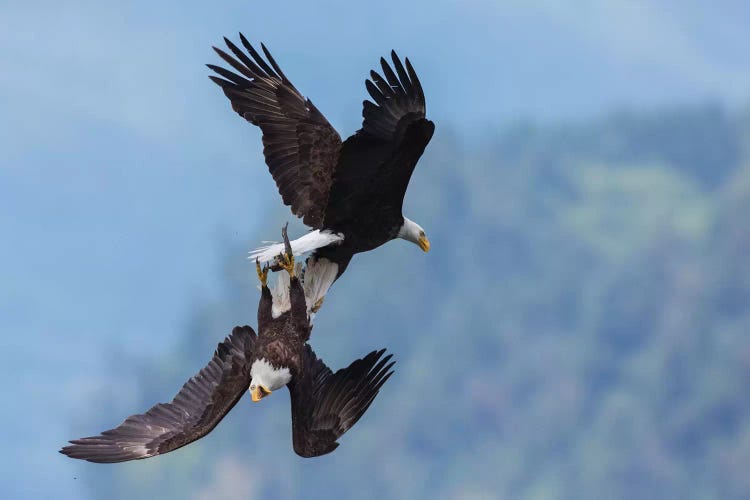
(376, 163)
(261, 93)
(325, 404)
(199, 406)
(399, 100)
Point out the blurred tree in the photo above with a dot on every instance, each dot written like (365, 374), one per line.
(579, 331)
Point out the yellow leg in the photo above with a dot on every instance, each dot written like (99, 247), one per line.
(262, 273)
(286, 261)
(316, 307)
(286, 258)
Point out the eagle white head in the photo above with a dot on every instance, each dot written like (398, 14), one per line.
(266, 378)
(411, 231)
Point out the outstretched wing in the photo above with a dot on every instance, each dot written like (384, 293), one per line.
(379, 159)
(399, 101)
(194, 412)
(325, 405)
(300, 146)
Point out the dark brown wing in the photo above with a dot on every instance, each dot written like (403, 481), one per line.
(376, 163)
(300, 146)
(194, 412)
(399, 101)
(325, 405)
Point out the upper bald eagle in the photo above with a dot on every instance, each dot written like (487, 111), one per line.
(324, 404)
(350, 192)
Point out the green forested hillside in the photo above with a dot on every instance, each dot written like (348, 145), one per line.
(581, 329)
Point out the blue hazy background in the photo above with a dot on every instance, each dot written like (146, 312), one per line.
(580, 329)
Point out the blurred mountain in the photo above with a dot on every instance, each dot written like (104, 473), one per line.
(580, 330)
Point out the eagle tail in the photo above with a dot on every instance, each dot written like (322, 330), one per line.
(307, 243)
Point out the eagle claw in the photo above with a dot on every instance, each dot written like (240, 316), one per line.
(262, 273)
(318, 304)
(286, 259)
(286, 262)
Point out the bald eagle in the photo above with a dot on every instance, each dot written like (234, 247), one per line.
(324, 404)
(350, 193)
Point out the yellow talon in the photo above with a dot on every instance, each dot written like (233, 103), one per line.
(286, 261)
(262, 273)
(286, 258)
(318, 304)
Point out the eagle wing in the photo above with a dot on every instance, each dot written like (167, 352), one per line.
(378, 160)
(300, 146)
(199, 406)
(325, 404)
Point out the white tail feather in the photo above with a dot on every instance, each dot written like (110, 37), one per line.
(310, 241)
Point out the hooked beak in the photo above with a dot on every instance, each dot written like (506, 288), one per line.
(259, 393)
(424, 244)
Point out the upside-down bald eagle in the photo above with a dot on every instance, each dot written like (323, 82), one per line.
(324, 404)
(351, 193)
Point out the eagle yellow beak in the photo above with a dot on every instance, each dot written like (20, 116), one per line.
(259, 393)
(424, 243)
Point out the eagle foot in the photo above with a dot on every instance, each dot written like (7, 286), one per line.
(286, 259)
(262, 273)
(286, 262)
(318, 304)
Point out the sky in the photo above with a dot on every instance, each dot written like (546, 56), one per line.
(123, 171)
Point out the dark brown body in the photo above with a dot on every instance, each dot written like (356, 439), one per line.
(282, 340)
